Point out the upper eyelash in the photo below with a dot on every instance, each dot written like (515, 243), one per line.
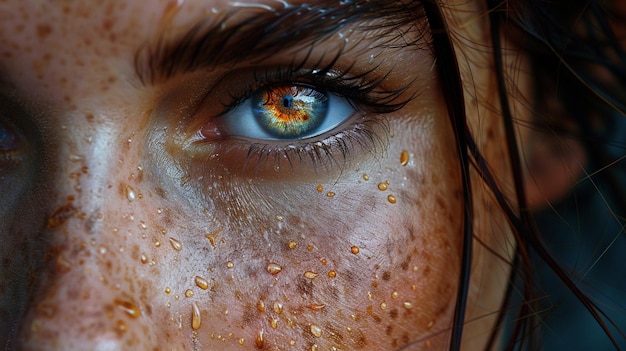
(360, 90)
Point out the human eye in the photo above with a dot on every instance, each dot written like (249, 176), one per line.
(292, 121)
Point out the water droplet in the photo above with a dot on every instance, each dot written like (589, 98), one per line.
(316, 330)
(212, 237)
(407, 305)
(229, 264)
(176, 244)
(128, 307)
(394, 295)
(274, 323)
(273, 268)
(142, 225)
(430, 324)
(330, 194)
(371, 60)
(168, 290)
(292, 342)
(404, 157)
(382, 186)
(260, 305)
(391, 199)
(355, 250)
(201, 283)
(310, 247)
(366, 177)
(292, 244)
(188, 293)
(157, 244)
(144, 258)
(195, 316)
(310, 274)
(241, 341)
(323, 261)
(260, 339)
(320, 188)
(318, 307)
(332, 274)
(383, 305)
(278, 307)
(130, 193)
(120, 327)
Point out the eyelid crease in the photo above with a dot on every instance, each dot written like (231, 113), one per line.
(209, 44)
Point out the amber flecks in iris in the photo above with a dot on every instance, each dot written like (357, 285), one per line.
(201, 282)
(404, 158)
(274, 268)
(355, 250)
(195, 316)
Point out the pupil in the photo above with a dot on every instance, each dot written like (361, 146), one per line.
(287, 101)
(7, 140)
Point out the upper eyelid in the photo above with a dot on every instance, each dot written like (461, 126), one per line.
(260, 36)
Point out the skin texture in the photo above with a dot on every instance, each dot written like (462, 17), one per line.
(117, 228)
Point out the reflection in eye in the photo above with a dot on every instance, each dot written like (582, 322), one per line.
(8, 141)
(286, 111)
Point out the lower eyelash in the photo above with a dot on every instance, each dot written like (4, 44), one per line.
(368, 136)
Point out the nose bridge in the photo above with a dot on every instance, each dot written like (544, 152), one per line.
(85, 296)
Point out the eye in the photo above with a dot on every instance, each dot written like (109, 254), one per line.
(8, 140)
(291, 111)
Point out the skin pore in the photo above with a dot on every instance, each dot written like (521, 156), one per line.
(136, 215)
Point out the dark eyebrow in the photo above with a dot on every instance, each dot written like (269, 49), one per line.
(210, 43)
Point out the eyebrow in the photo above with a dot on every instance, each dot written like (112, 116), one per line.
(211, 43)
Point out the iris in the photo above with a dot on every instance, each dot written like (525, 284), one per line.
(289, 111)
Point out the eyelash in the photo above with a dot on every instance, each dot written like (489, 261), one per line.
(368, 130)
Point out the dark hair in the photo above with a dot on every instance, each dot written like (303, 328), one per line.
(565, 42)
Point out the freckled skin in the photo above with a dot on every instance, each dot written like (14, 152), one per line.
(109, 220)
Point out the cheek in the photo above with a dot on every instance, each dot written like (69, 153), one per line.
(370, 262)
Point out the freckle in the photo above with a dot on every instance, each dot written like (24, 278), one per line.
(128, 307)
(274, 268)
(260, 339)
(188, 293)
(201, 283)
(310, 275)
(382, 186)
(292, 244)
(195, 316)
(229, 264)
(394, 295)
(330, 194)
(130, 193)
(168, 290)
(176, 244)
(407, 305)
(383, 305)
(366, 177)
(320, 188)
(404, 157)
(391, 199)
(278, 307)
(316, 330)
(332, 274)
(144, 259)
(260, 305)
(355, 250)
